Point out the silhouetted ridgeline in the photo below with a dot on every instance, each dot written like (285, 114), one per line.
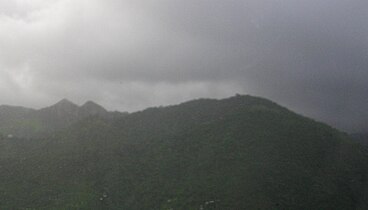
(242, 152)
(30, 123)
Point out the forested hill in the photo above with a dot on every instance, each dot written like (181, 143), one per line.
(30, 123)
(241, 152)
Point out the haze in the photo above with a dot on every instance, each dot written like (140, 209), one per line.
(310, 56)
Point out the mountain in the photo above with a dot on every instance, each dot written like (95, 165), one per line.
(30, 123)
(242, 152)
(90, 108)
(362, 138)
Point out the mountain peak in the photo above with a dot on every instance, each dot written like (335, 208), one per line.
(65, 102)
(92, 108)
(63, 106)
(90, 103)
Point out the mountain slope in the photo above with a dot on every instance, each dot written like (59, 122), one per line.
(238, 153)
(361, 138)
(30, 123)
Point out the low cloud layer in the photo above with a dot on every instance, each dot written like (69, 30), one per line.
(311, 56)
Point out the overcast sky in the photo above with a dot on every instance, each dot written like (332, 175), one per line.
(308, 55)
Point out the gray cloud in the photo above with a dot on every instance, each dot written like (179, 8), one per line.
(308, 55)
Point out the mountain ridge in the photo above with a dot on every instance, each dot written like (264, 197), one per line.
(242, 152)
(29, 123)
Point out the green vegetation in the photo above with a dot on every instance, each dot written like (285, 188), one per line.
(29, 123)
(238, 153)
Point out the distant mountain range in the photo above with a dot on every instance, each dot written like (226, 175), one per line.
(30, 123)
(362, 138)
(242, 152)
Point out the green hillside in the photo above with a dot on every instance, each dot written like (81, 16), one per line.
(30, 123)
(242, 152)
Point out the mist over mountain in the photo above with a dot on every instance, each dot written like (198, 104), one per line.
(362, 138)
(180, 139)
(308, 55)
(29, 123)
(241, 152)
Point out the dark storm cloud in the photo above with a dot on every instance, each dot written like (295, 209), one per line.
(308, 55)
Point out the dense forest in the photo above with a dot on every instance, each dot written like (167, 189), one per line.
(242, 152)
